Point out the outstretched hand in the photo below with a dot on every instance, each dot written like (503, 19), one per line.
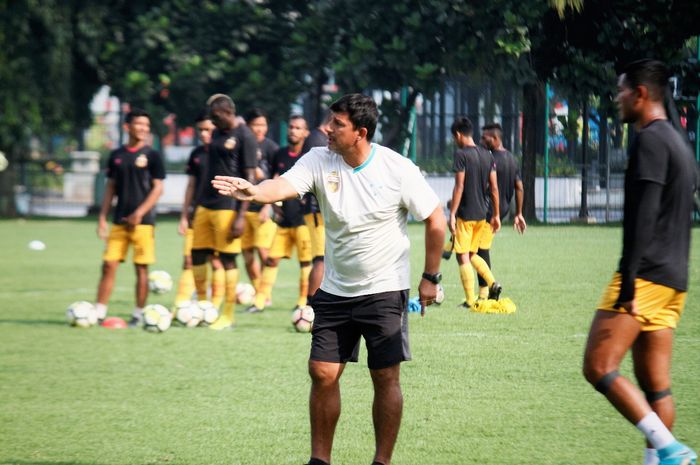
(238, 188)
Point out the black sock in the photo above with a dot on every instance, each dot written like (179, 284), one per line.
(315, 461)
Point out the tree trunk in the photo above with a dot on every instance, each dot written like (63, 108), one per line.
(583, 211)
(603, 147)
(443, 124)
(533, 113)
(507, 118)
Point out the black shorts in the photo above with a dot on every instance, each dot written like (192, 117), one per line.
(340, 321)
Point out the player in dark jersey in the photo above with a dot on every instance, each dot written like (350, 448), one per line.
(218, 222)
(196, 177)
(259, 227)
(475, 180)
(135, 174)
(509, 184)
(291, 229)
(643, 302)
(318, 137)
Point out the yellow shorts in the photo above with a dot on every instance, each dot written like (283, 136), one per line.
(211, 228)
(468, 235)
(659, 307)
(189, 237)
(287, 238)
(141, 236)
(314, 221)
(486, 237)
(257, 234)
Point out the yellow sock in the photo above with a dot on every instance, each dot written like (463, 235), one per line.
(267, 280)
(185, 287)
(200, 272)
(483, 292)
(466, 273)
(218, 287)
(303, 285)
(482, 269)
(230, 301)
(256, 283)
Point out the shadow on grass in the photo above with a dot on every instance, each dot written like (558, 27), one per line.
(31, 323)
(71, 462)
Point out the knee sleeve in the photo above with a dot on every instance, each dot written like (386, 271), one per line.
(604, 383)
(228, 259)
(199, 256)
(486, 255)
(653, 396)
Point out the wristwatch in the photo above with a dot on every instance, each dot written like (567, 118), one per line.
(433, 278)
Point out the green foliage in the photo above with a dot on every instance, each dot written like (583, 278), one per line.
(436, 164)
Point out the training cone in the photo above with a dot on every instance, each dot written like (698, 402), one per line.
(114, 322)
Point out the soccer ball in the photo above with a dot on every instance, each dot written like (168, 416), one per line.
(156, 318)
(81, 314)
(440, 297)
(303, 319)
(159, 282)
(188, 314)
(245, 293)
(209, 312)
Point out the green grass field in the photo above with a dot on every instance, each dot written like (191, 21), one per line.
(482, 389)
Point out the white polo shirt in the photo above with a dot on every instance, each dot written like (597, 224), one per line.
(365, 214)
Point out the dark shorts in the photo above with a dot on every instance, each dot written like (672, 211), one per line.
(340, 321)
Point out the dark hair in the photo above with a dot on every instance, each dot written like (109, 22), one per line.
(255, 113)
(493, 127)
(301, 117)
(222, 101)
(462, 125)
(202, 116)
(650, 73)
(361, 109)
(135, 113)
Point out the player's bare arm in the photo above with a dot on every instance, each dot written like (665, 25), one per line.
(238, 224)
(186, 203)
(519, 223)
(270, 191)
(496, 216)
(102, 226)
(434, 238)
(150, 202)
(456, 198)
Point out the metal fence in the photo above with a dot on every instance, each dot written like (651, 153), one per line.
(70, 193)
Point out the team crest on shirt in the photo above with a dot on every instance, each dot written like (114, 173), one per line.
(333, 181)
(258, 154)
(230, 143)
(141, 161)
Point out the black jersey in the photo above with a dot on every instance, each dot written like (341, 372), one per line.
(197, 168)
(231, 153)
(658, 155)
(266, 154)
(133, 172)
(292, 214)
(508, 174)
(317, 138)
(477, 164)
(268, 148)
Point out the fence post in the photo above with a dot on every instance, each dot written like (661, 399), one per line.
(546, 152)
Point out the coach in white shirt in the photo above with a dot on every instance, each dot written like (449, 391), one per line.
(365, 192)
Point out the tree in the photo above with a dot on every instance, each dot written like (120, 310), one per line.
(47, 77)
